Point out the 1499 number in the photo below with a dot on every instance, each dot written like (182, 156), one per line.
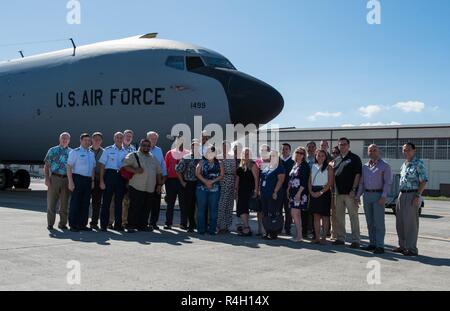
(198, 105)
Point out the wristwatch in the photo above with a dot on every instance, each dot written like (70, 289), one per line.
(418, 195)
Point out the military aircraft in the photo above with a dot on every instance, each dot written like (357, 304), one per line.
(142, 83)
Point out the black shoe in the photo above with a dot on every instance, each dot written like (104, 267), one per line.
(183, 227)
(95, 227)
(409, 254)
(378, 251)
(50, 228)
(239, 228)
(288, 232)
(86, 229)
(248, 234)
(118, 228)
(74, 230)
(63, 227)
(131, 230)
(103, 229)
(338, 242)
(398, 250)
(110, 227)
(167, 227)
(155, 227)
(355, 245)
(369, 248)
(266, 237)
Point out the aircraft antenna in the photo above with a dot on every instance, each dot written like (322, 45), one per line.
(74, 46)
(21, 54)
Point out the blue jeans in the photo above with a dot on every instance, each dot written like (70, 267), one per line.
(375, 218)
(207, 200)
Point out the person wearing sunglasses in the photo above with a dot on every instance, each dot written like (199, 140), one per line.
(298, 192)
(147, 177)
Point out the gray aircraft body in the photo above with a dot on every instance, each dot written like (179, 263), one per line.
(140, 83)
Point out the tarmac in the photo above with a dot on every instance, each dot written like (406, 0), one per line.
(32, 259)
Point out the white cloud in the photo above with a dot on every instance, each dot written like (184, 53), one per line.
(371, 110)
(372, 124)
(381, 124)
(410, 106)
(326, 114)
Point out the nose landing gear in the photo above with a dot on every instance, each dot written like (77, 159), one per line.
(6, 179)
(20, 179)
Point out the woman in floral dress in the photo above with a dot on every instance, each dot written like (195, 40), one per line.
(298, 189)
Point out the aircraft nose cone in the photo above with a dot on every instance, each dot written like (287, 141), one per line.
(252, 101)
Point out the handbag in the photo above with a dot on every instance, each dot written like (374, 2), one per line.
(125, 173)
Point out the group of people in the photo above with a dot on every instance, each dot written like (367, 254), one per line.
(310, 188)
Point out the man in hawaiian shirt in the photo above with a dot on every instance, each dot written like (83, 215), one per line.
(55, 172)
(413, 180)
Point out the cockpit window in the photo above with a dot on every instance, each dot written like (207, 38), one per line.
(194, 62)
(176, 62)
(218, 62)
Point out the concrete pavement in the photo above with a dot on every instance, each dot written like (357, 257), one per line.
(33, 259)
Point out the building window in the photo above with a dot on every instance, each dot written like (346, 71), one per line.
(434, 149)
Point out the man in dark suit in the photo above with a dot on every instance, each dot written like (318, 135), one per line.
(288, 163)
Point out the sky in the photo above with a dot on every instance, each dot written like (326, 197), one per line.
(332, 67)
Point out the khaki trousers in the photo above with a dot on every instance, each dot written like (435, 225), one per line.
(407, 222)
(58, 191)
(345, 202)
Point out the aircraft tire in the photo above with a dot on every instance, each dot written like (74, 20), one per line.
(6, 179)
(22, 179)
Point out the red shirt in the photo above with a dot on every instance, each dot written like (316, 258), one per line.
(172, 158)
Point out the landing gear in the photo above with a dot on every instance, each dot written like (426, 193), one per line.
(6, 179)
(21, 179)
